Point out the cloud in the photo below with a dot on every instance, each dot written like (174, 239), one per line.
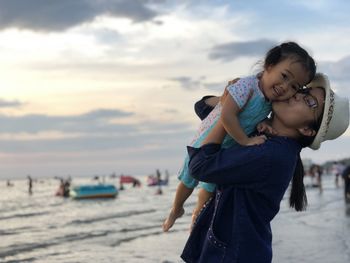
(234, 50)
(339, 70)
(190, 84)
(99, 124)
(95, 132)
(93, 122)
(125, 141)
(53, 15)
(10, 104)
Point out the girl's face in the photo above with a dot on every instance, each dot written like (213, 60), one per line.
(300, 110)
(281, 81)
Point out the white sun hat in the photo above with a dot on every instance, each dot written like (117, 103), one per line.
(335, 119)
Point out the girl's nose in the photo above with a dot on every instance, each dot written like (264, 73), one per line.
(284, 88)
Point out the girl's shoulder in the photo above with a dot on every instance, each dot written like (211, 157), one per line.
(249, 83)
(252, 79)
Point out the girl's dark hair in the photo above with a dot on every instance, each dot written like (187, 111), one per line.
(287, 50)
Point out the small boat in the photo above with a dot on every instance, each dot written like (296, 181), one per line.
(93, 191)
(153, 181)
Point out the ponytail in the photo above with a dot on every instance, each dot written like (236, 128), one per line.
(298, 198)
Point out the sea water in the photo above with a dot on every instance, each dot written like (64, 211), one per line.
(43, 227)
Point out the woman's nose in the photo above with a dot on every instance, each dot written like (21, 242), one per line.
(298, 96)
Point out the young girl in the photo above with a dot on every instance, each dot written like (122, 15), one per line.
(287, 68)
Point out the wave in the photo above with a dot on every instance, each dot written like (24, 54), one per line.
(118, 215)
(23, 215)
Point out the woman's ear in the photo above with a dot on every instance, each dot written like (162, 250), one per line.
(307, 131)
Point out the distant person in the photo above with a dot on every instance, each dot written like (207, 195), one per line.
(166, 176)
(337, 169)
(8, 183)
(159, 190)
(158, 176)
(159, 182)
(136, 183)
(30, 184)
(316, 172)
(346, 177)
(287, 68)
(66, 187)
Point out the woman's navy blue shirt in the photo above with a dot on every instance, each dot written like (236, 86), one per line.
(251, 181)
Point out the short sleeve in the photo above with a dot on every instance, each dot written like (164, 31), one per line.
(242, 90)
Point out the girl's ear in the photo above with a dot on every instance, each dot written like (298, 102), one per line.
(307, 131)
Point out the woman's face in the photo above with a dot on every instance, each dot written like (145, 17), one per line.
(300, 110)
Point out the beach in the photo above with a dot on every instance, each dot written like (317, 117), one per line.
(45, 228)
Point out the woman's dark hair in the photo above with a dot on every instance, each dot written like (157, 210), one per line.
(287, 50)
(297, 198)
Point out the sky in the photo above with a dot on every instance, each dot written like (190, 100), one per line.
(108, 86)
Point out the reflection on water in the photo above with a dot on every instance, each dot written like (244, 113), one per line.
(347, 210)
(320, 234)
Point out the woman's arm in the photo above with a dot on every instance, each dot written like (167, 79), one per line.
(240, 164)
(204, 106)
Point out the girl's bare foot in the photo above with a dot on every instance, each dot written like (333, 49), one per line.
(173, 215)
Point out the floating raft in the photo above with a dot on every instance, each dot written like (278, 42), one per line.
(93, 191)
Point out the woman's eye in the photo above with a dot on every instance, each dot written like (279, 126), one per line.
(284, 76)
(310, 101)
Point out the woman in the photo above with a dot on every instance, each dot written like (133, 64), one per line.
(234, 226)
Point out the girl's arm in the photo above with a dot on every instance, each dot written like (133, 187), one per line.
(230, 122)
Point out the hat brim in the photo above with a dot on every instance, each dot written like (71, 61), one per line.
(322, 81)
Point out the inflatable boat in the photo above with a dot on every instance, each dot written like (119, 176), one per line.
(93, 191)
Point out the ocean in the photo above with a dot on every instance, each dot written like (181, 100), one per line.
(45, 228)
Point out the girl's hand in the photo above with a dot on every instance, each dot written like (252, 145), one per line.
(256, 140)
(264, 126)
(195, 214)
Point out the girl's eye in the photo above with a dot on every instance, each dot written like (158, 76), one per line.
(284, 76)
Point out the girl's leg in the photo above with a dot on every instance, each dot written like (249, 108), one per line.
(182, 193)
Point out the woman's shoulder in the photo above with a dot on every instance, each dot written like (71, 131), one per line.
(283, 148)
